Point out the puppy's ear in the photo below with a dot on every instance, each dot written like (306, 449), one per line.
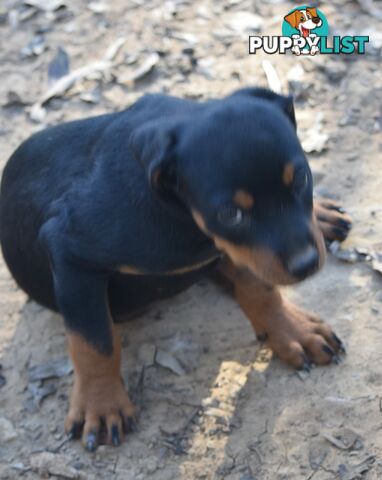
(284, 102)
(153, 146)
(292, 18)
(287, 106)
(312, 11)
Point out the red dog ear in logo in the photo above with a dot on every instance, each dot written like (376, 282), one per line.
(293, 18)
(312, 11)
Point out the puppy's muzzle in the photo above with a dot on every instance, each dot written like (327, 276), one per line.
(304, 263)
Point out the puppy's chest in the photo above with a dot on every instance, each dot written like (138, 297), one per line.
(167, 253)
(188, 265)
(139, 239)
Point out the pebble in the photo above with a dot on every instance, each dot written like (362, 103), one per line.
(7, 431)
(47, 463)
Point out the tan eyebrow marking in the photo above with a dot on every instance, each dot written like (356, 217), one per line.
(243, 199)
(288, 174)
(129, 270)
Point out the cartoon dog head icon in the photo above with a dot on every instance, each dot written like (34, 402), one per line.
(304, 20)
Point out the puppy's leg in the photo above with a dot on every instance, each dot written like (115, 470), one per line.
(99, 402)
(296, 336)
(332, 219)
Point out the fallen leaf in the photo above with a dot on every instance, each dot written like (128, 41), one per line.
(358, 254)
(57, 368)
(63, 84)
(348, 256)
(141, 71)
(46, 5)
(166, 360)
(355, 472)
(318, 452)
(38, 391)
(92, 96)
(346, 439)
(59, 66)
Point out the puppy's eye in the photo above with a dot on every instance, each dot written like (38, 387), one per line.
(230, 216)
(302, 19)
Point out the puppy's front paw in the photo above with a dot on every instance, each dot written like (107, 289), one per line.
(296, 50)
(300, 338)
(100, 411)
(332, 219)
(314, 50)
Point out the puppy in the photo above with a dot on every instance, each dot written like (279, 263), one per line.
(102, 216)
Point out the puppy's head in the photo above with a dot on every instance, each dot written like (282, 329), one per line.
(238, 167)
(304, 20)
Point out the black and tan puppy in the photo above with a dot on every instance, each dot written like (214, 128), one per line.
(102, 216)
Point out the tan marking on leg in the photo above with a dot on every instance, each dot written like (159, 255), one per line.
(293, 334)
(243, 199)
(288, 174)
(98, 391)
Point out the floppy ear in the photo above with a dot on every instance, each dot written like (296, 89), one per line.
(153, 146)
(284, 102)
(287, 106)
(292, 18)
(312, 11)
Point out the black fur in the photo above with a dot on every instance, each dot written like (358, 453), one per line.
(82, 199)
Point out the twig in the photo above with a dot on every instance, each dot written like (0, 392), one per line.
(272, 77)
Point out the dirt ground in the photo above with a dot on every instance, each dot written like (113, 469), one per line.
(230, 411)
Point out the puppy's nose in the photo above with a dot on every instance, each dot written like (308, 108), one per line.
(316, 20)
(304, 263)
